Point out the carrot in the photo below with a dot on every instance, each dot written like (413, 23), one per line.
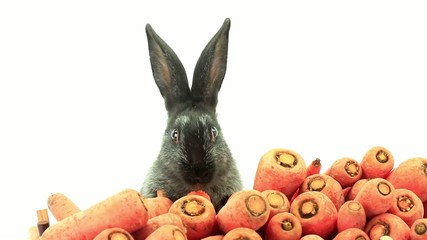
(356, 188)
(325, 184)
(377, 162)
(425, 209)
(245, 208)
(280, 169)
(411, 174)
(351, 215)
(376, 196)
(197, 214)
(61, 206)
(167, 232)
(200, 193)
(33, 233)
(158, 205)
(346, 171)
(406, 205)
(215, 237)
(42, 220)
(125, 209)
(114, 233)
(419, 229)
(312, 237)
(314, 167)
(277, 200)
(157, 221)
(242, 233)
(283, 225)
(351, 234)
(316, 212)
(387, 224)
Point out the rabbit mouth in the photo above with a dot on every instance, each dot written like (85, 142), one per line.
(200, 178)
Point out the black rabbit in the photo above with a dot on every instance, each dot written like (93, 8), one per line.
(194, 155)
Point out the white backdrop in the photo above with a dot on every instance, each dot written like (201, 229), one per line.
(80, 112)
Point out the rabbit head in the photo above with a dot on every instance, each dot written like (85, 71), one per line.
(194, 154)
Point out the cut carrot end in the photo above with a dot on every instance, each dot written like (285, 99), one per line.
(379, 229)
(287, 160)
(405, 203)
(287, 225)
(178, 235)
(275, 200)
(384, 188)
(316, 184)
(382, 156)
(193, 207)
(308, 208)
(256, 205)
(360, 238)
(118, 236)
(352, 168)
(355, 206)
(420, 228)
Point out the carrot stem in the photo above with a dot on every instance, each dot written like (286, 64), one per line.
(287, 160)
(352, 168)
(316, 184)
(193, 207)
(178, 235)
(420, 228)
(381, 156)
(308, 208)
(383, 188)
(256, 205)
(276, 200)
(118, 236)
(287, 225)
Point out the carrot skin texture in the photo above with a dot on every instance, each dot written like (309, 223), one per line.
(247, 208)
(351, 215)
(108, 234)
(126, 209)
(356, 188)
(61, 206)
(167, 232)
(280, 169)
(376, 196)
(377, 162)
(314, 167)
(406, 205)
(283, 225)
(411, 174)
(387, 224)
(316, 212)
(242, 233)
(351, 234)
(419, 229)
(155, 222)
(312, 237)
(157, 205)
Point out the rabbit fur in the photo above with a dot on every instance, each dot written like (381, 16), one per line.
(194, 154)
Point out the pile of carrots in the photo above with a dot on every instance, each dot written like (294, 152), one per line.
(371, 198)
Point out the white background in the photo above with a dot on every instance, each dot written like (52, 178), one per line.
(80, 112)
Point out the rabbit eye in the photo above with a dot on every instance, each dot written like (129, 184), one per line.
(214, 133)
(175, 135)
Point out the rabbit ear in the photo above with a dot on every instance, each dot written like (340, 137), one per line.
(210, 68)
(168, 71)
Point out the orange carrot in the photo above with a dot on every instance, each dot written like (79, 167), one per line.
(157, 221)
(377, 162)
(277, 200)
(312, 237)
(283, 225)
(245, 208)
(376, 196)
(158, 205)
(316, 212)
(351, 234)
(325, 184)
(61, 206)
(280, 169)
(197, 214)
(114, 233)
(314, 167)
(242, 233)
(200, 193)
(126, 209)
(406, 205)
(351, 215)
(411, 174)
(33, 233)
(346, 171)
(167, 232)
(215, 237)
(356, 188)
(419, 229)
(387, 224)
(425, 209)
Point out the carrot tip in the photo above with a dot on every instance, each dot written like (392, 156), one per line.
(193, 207)
(287, 225)
(316, 184)
(178, 235)
(352, 168)
(355, 206)
(287, 160)
(381, 156)
(275, 200)
(256, 205)
(420, 228)
(405, 203)
(308, 208)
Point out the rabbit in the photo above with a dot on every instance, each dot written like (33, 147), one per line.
(194, 155)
